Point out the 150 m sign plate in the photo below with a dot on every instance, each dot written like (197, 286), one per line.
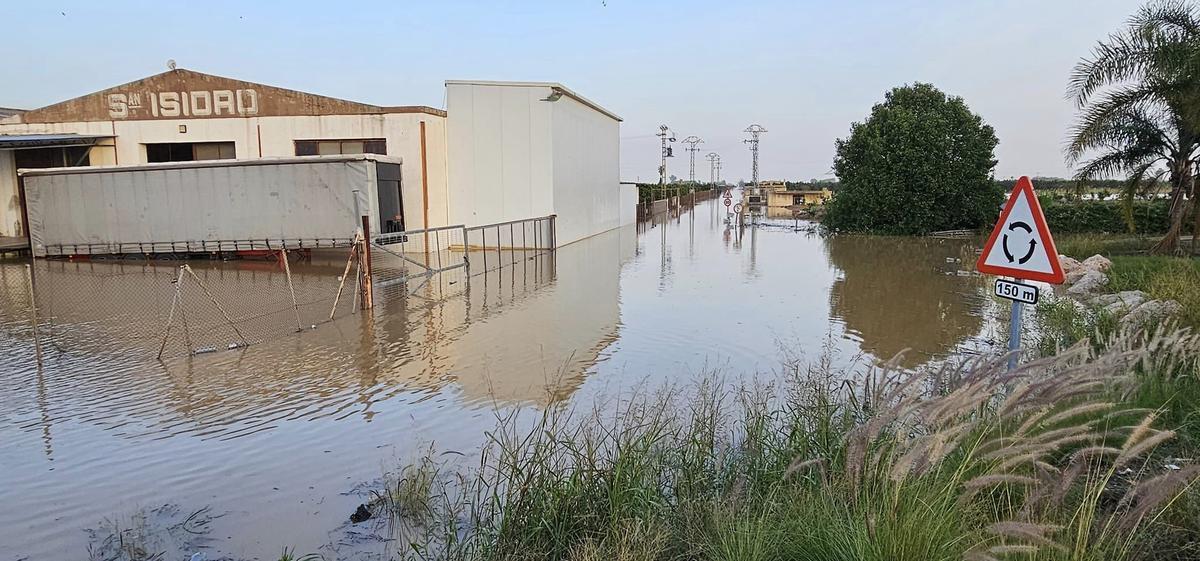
(1016, 291)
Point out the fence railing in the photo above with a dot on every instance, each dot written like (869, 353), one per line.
(194, 246)
(172, 308)
(507, 243)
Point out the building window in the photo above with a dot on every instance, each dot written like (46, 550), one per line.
(189, 151)
(341, 146)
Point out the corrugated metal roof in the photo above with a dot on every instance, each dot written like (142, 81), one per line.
(10, 141)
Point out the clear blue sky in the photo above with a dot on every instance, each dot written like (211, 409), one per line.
(804, 70)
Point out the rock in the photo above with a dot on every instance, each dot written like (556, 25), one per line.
(1151, 310)
(362, 514)
(1089, 283)
(1122, 301)
(1074, 276)
(1068, 263)
(1097, 263)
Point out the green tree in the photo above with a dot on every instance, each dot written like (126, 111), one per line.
(921, 162)
(1139, 100)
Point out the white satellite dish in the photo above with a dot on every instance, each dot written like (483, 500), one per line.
(171, 64)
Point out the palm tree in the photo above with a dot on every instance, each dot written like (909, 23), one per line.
(1139, 102)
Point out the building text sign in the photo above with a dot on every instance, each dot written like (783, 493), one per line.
(195, 103)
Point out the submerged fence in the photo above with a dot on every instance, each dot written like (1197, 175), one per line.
(172, 308)
(169, 307)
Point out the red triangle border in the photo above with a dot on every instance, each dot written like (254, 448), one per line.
(1056, 276)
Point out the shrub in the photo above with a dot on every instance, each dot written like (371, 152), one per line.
(1149, 217)
(921, 162)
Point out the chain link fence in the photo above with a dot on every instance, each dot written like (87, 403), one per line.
(172, 308)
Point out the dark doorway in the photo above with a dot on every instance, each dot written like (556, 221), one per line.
(391, 204)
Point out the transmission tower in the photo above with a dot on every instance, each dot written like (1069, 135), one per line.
(693, 142)
(754, 131)
(713, 158)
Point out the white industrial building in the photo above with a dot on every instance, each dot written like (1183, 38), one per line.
(500, 151)
(559, 155)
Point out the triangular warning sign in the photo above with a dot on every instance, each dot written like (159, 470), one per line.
(1021, 246)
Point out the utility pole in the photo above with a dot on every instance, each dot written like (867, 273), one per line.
(693, 142)
(664, 134)
(713, 158)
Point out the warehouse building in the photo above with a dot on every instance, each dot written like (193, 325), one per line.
(520, 149)
(182, 115)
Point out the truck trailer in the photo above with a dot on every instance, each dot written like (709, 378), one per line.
(211, 206)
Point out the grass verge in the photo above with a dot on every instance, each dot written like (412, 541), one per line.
(1046, 462)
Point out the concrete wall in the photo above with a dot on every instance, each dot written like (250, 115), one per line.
(268, 137)
(514, 156)
(628, 202)
(499, 144)
(586, 162)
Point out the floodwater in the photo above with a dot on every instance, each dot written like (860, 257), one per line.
(274, 438)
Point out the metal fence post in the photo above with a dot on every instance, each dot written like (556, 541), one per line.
(466, 250)
(368, 299)
(287, 270)
(37, 339)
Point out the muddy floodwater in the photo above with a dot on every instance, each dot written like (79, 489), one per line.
(275, 438)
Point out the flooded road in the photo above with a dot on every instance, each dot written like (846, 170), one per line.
(274, 437)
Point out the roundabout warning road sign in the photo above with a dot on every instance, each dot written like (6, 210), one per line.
(1021, 245)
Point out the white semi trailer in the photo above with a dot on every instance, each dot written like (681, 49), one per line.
(211, 206)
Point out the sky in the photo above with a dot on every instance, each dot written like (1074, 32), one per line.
(804, 70)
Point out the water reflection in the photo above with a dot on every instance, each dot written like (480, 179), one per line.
(902, 293)
(292, 422)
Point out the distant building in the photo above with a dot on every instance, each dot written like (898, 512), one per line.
(779, 196)
(516, 151)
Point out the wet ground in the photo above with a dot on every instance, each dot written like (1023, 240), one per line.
(274, 438)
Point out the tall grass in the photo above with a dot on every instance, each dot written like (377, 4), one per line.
(971, 462)
(1163, 278)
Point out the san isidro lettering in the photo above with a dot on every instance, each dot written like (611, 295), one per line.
(199, 103)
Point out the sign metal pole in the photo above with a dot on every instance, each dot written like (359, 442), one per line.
(1014, 334)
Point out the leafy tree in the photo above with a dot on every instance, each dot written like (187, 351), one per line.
(921, 162)
(1139, 100)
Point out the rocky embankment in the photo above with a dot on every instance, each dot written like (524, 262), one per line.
(1087, 283)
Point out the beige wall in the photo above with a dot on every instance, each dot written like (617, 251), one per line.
(271, 137)
(10, 201)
